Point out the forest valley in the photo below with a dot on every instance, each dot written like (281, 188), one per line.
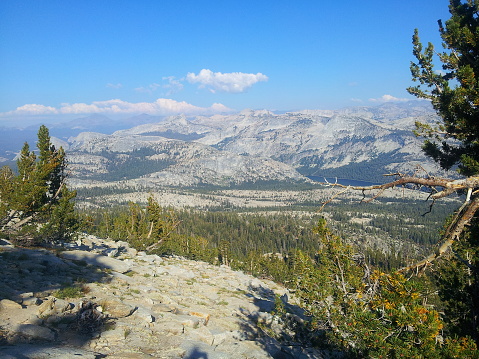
(363, 302)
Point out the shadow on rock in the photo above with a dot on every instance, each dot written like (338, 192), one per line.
(44, 303)
(196, 353)
(281, 328)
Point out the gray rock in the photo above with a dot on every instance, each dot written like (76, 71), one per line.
(97, 260)
(180, 272)
(7, 304)
(115, 307)
(47, 307)
(35, 332)
(112, 252)
(144, 314)
(30, 351)
(161, 307)
(188, 321)
(30, 299)
(192, 310)
(62, 306)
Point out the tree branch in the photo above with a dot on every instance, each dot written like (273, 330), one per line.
(461, 219)
(450, 186)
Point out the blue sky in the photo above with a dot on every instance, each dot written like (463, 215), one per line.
(121, 57)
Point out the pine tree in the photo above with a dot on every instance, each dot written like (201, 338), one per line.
(36, 205)
(454, 94)
(453, 91)
(6, 191)
(369, 313)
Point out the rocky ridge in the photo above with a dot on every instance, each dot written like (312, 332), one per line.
(170, 162)
(256, 146)
(135, 305)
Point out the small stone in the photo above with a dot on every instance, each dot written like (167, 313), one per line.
(204, 316)
(62, 306)
(188, 321)
(113, 252)
(31, 301)
(46, 308)
(116, 308)
(144, 314)
(26, 295)
(162, 308)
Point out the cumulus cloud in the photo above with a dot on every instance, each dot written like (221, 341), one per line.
(388, 98)
(34, 109)
(161, 106)
(233, 82)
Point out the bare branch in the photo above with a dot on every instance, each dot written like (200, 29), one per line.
(461, 219)
(450, 186)
(333, 197)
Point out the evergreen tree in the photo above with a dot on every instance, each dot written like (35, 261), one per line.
(36, 205)
(454, 93)
(6, 191)
(369, 313)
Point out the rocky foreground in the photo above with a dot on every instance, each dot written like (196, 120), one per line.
(137, 306)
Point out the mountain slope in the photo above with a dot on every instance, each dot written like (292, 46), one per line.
(170, 162)
(361, 143)
(163, 307)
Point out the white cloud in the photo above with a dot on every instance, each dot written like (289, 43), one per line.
(233, 82)
(161, 106)
(388, 98)
(34, 109)
(173, 85)
(149, 89)
(114, 86)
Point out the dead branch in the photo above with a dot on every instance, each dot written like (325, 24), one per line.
(450, 186)
(330, 199)
(461, 219)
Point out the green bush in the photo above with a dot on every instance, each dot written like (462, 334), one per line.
(69, 292)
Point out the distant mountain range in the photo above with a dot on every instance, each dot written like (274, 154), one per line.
(248, 147)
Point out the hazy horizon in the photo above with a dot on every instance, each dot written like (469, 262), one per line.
(121, 58)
